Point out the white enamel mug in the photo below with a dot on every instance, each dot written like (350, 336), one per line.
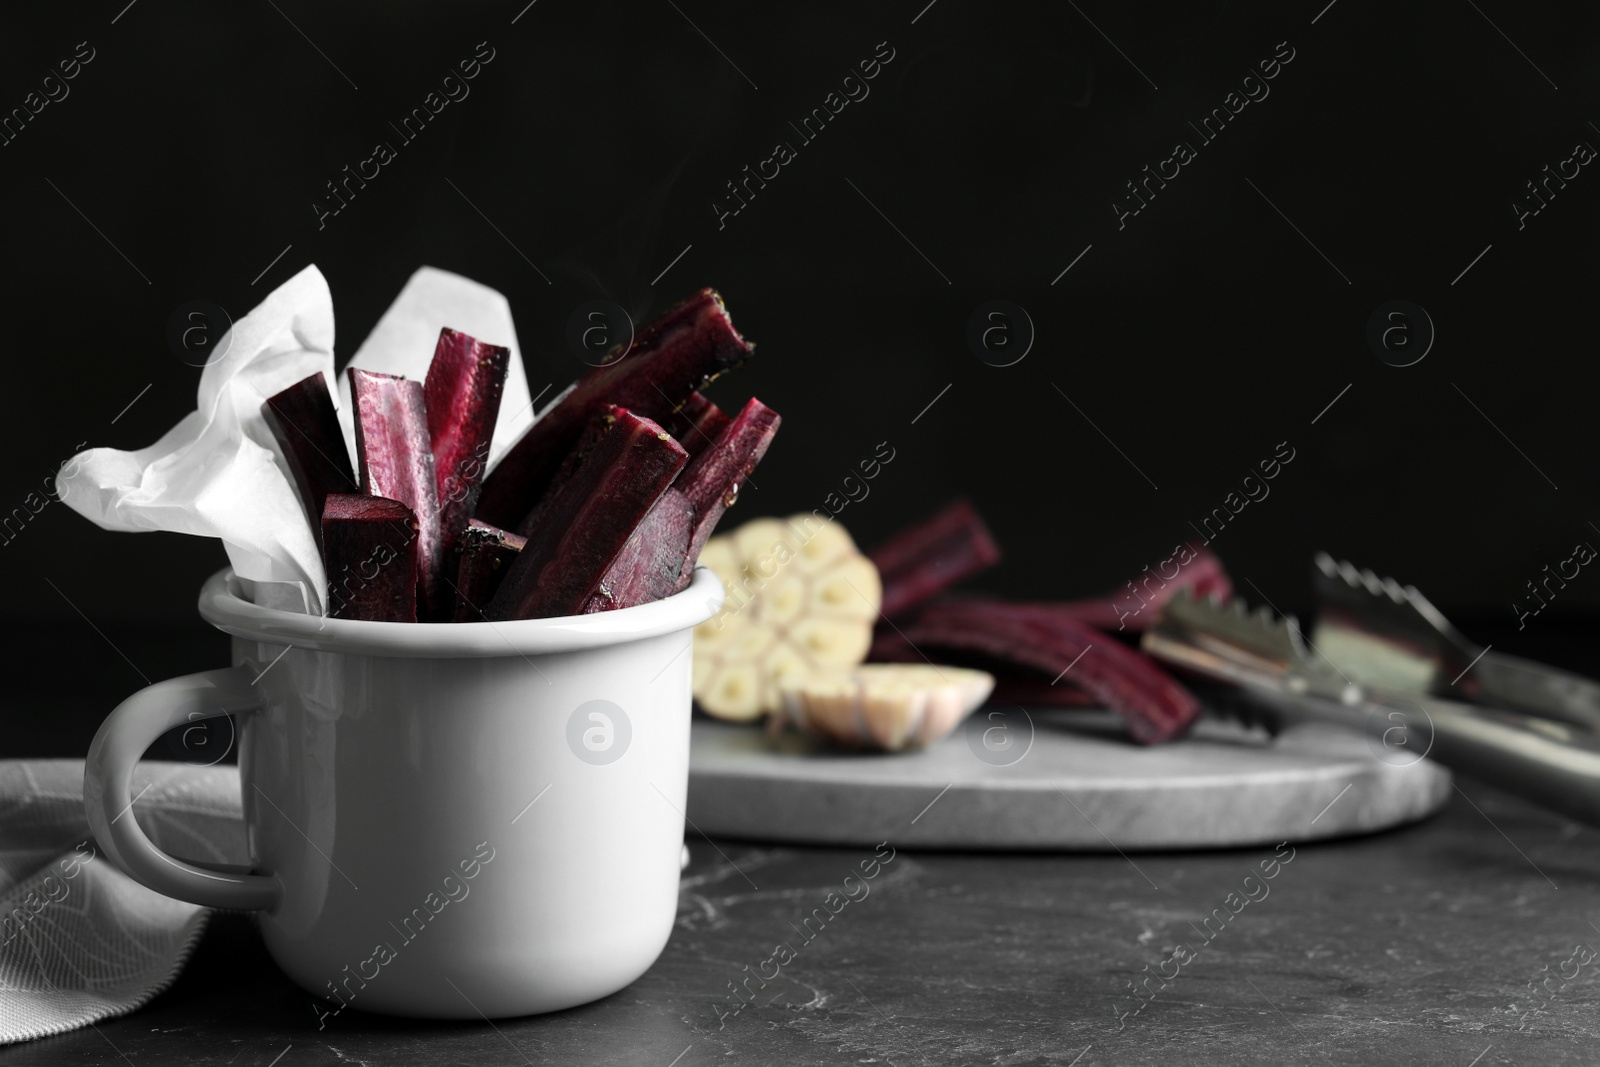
(446, 820)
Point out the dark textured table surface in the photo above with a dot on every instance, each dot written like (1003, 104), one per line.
(1415, 946)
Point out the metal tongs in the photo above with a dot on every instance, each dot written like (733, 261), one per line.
(1283, 679)
(1382, 633)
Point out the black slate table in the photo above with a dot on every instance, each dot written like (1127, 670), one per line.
(1417, 946)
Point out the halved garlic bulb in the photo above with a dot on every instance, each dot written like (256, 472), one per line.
(801, 598)
(884, 705)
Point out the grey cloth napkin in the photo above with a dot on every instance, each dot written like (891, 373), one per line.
(79, 940)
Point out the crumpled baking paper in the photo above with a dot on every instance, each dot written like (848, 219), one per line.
(220, 472)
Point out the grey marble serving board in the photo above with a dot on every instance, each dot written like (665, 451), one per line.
(1078, 787)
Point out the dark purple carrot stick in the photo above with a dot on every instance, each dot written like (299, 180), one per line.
(597, 427)
(589, 522)
(648, 566)
(925, 559)
(395, 458)
(369, 549)
(659, 558)
(487, 553)
(303, 420)
(713, 480)
(462, 393)
(1155, 706)
(671, 358)
(1035, 689)
(1135, 607)
(697, 424)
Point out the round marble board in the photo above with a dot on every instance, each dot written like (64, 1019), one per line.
(1079, 786)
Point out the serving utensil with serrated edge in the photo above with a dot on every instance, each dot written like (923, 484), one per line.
(1280, 678)
(1381, 632)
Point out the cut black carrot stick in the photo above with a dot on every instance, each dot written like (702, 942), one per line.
(306, 425)
(1036, 689)
(597, 427)
(589, 522)
(1135, 607)
(659, 558)
(712, 482)
(1154, 705)
(648, 566)
(486, 555)
(462, 394)
(670, 359)
(395, 459)
(369, 549)
(925, 559)
(697, 424)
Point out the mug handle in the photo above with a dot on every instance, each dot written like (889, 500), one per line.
(107, 780)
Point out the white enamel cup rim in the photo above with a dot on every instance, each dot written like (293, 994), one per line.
(224, 605)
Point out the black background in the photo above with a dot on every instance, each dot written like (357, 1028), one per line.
(1195, 339)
